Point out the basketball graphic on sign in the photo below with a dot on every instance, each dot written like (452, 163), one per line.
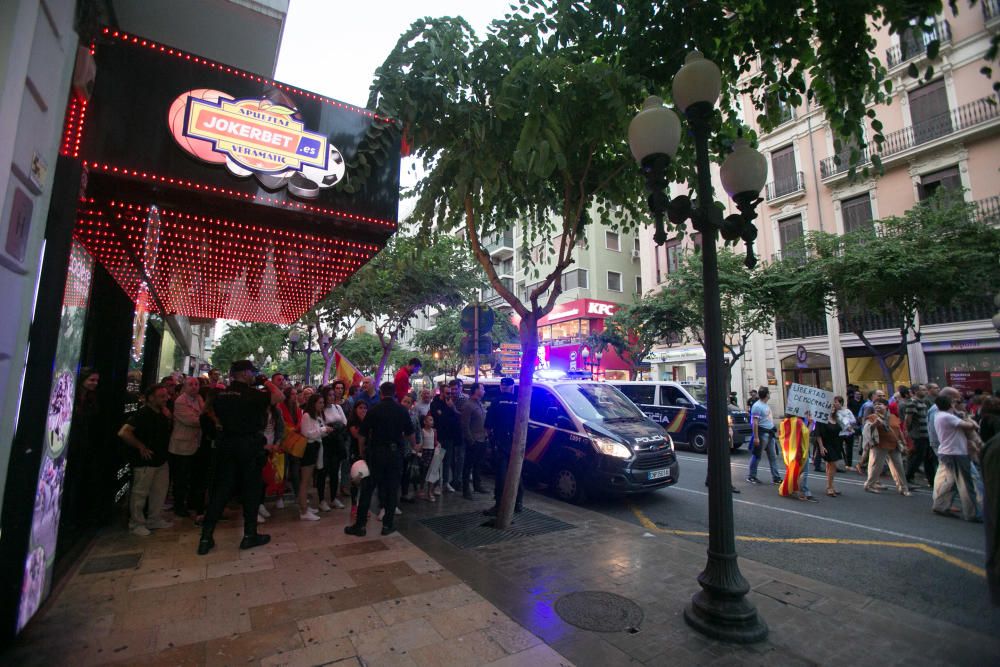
(175, 118)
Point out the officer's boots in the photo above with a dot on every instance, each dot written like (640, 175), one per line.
(206, 543)
(254, 540)
(358, 529)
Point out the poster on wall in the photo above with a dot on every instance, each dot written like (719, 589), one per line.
(52, 471)
(968, 382)
(809, 402)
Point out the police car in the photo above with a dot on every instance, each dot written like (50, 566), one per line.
(681, 408)
(586, 437)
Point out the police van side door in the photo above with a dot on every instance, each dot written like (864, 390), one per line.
(644, 396)
(678, 412)
(550, 433)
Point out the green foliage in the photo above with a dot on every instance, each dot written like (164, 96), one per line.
(629, 334)
(364, 350)
(676, 312)
(442, 343)
(244, 339)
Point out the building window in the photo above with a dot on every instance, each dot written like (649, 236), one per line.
(638, 285)
(929, 112)
(506, 267)
(790, 233)
(635, 244)
(777, 110)
(857, 213)
(574, 279)
(783, 168)
(656, 256)
(612, 242)
(947, 179)
(673, 247)
(614, 281)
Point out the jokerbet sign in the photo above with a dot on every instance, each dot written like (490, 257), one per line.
(255, 136)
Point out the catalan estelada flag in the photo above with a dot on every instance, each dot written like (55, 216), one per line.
(793, 438)
(345, 371)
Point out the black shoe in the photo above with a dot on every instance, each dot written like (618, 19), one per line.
(205, 544)
(404, 499)
(735, 490)
(491, 511)
(753, 480)
(358, 531)
(388, 529)
(251, 541)
(777, 480)
(480, 490)
(467, 496)
(181, 512)
(518, 509)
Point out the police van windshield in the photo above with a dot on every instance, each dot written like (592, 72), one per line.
(698, 391)
(598, 402)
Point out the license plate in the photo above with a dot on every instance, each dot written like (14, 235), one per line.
(658, 474)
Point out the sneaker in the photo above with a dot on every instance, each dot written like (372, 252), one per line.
(157, 525)
(381, 515)
(260, 519)
(251, 541)
(324, 507)
(448, 488)
(753, 480)
(141, 531)
(399, 512)
(873, 489)
(310, 510)
(437, 492)
(904, 492)
(337, 505)
(308, 517)
(280, 503)
(776, 480)
(261, 510)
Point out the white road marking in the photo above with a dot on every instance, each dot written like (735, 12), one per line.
(812, 473)
(852, 524)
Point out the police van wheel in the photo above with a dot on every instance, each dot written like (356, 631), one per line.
(698, 440)
(567, 485)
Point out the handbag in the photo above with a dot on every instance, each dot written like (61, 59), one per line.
(294, 443)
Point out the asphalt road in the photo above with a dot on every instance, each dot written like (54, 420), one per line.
(934, 580)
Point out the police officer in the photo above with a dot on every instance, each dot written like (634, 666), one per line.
(241, 411)
(500, 425)
(385, 429)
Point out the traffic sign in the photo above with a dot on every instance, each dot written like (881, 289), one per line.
(468, 318)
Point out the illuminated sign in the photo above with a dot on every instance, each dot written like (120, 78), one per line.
(255, 136)
(600, 308)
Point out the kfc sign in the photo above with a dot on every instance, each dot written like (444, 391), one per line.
(600, 308)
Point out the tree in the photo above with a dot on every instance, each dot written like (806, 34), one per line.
(364, 350)
(443, 342)
(411, 274)
(527, 125)
(676, 312)
(939, 254)
(333, 318)
(244, 339)
(629, 335)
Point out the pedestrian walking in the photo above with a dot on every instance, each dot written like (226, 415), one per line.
(387, 425)
(473, 419)
(830, 444)
(848, 426)
(314, 429)
(500, 426)
(793, 437)
(241, 410)
(915, 423)
(953, 431)
(764, 433)
(883, 440)
(147, 433)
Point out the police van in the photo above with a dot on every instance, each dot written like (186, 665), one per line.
(681, 408)
(586, 437)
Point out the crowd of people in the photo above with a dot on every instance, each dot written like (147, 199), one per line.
(201, 442)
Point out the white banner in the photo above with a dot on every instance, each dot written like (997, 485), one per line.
(809, 402)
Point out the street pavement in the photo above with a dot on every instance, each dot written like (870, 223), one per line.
(886, 546)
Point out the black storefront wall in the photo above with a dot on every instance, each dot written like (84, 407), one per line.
(125, 149)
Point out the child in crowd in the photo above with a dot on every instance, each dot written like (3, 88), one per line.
(429, 447)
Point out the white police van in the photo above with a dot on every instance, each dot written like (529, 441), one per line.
(681, 408)
(586, 437)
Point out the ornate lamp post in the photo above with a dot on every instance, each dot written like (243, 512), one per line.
(294, 347)
(720, 609)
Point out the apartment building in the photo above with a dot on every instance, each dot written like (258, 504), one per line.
(605, 274)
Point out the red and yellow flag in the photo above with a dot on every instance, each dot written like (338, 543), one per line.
(345, 371)
(793, 438)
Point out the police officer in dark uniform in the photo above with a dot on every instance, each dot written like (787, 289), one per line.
(500, 425)
(386, 428)
(241, 411)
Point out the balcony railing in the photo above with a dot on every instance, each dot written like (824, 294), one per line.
(991, 9)
(913, 43)
(988, 210)
(964, 117)
(800, 327)
(786, 186)
(966, 312)
(506, 240)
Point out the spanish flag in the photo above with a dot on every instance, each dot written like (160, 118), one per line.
(345, 371)
(793, 438)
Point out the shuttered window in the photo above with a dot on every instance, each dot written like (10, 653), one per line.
(945, 178)
(929, 111)
(790, 231)
(857, 213)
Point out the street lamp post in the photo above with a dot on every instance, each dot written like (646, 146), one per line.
(720, 610)
(293, 346)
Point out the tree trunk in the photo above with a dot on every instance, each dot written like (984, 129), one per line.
(386, 350)
(887, 375)
(327, 365)
(529, 356)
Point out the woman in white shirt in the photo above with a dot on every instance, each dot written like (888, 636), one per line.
(313, 430)
(333, 452)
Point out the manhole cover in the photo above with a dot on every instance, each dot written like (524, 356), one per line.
(599, 611)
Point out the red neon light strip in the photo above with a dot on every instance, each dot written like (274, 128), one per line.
(183, 55)
(201, 187)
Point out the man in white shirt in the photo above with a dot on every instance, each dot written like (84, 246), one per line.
(952, 430)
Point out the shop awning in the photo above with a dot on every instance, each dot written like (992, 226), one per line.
(211, 192)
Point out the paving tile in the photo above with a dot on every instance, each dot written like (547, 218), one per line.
(379, 558)
(464, 619)
(389, 659)
(339, 624)
(788, 594)
(332, 652)
(422, 604)
(587, 650)
(252, 647)
(193, 630)
(190, 655)
(536, 656)
(239, 566)
(141, 616)
(285, 611)
(167, 577)
(321, 580)
(382, 572)
(121, 644)
(511, 636)
(272, 548)
(424, 564)
(474, 648)
(358, 548)
(399, 638)
(423, 583)
(348, 598)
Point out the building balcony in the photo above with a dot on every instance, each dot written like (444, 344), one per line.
(988, 210)
(784, 189)
(491, 297)
(800, 327)
(501, 246)
(968, 120)
(991, 10)
(913, 43)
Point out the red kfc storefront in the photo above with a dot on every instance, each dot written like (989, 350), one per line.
(562, 336)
